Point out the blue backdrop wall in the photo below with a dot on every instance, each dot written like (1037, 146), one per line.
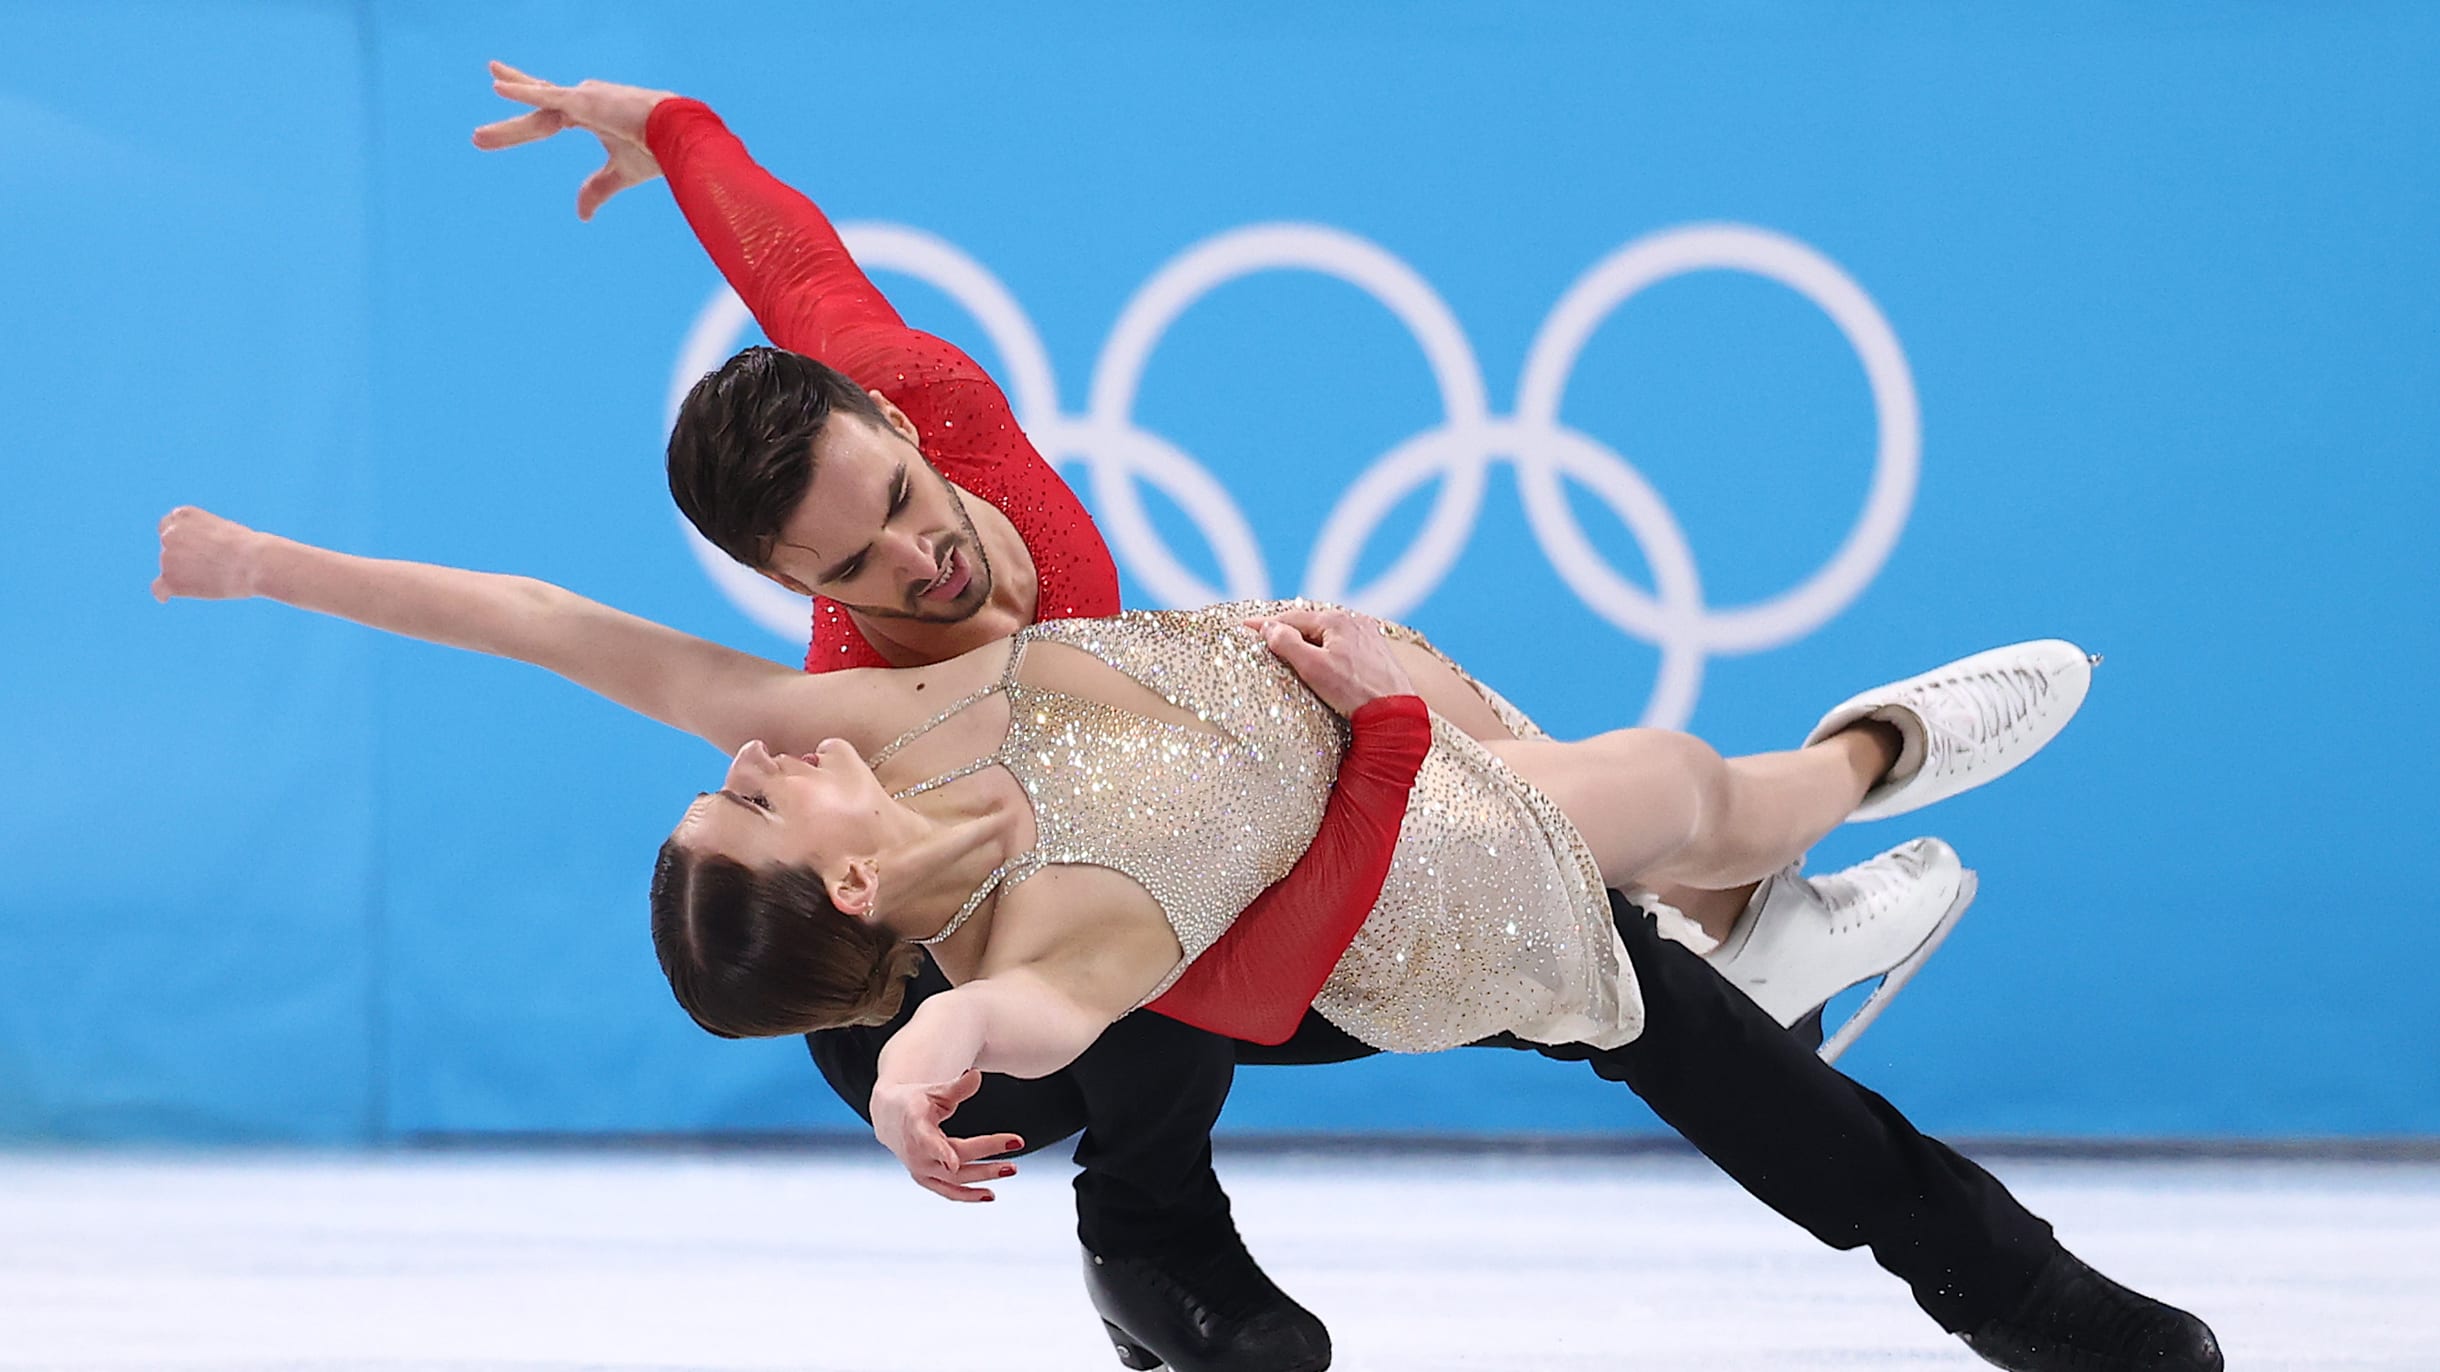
(1698, 367)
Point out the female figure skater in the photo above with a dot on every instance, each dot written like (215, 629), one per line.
(985, 538)
(1098, 799)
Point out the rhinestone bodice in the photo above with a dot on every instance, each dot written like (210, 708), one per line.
(1493, 918)
(1202, 818)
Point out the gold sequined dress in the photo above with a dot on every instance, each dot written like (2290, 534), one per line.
(1493, 918)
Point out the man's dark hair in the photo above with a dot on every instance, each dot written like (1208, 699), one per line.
(754, 953)
(741, 453)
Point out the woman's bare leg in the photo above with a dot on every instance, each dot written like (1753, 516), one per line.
(1651, 788)
(1663, 808)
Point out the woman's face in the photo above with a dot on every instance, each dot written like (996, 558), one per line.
(821, 810)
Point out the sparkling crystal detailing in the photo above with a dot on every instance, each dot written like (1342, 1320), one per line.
(1493, 918)
(1203, 817)
(890, 749)
(974, 902)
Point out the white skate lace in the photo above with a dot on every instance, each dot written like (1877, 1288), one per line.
(1853, 897)
(1965, 714)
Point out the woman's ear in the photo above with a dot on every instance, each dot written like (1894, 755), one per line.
(857, 889)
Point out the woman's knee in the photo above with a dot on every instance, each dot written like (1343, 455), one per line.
(1685, 780)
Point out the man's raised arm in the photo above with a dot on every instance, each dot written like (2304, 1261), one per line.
(777, 249)
(786, 261)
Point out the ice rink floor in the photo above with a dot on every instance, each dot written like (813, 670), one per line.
(832, 1262)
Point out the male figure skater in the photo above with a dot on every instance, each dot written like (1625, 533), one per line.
(914, 561)
(776, 922)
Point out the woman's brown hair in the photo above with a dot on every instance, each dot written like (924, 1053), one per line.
(757, 953)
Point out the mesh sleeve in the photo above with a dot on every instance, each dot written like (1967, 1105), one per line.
(1257, 982)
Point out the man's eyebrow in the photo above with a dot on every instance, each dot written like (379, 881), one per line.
(838, 569)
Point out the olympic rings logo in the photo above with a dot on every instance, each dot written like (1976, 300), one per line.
(1459, 453)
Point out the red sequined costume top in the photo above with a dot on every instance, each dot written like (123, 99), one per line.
(787, 263)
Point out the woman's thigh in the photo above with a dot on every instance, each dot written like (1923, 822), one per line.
(1638, 796)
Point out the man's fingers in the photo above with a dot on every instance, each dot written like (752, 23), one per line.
(523, 92)
(502, 70)
(160, 589)
(524, 128)
(1292, 646)
(541, 94)
(1305, 619)
(1287, 643)
(598, 189)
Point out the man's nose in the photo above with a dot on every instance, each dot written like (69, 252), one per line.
(919, 557)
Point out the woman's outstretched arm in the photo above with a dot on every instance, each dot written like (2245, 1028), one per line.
(1018, 1021)
(718, 694)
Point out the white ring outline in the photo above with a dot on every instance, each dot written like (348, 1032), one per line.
(1551, 360)
(1458, 452)
(1176, 287)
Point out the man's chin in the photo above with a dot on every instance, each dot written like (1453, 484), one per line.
(958, 611)
(967, 605)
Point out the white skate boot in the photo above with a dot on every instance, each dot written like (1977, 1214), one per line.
(1802, 941)
(1968, 723)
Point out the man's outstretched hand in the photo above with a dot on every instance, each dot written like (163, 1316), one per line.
(612, 113)
(1342, 655)
(206, 557)
(908, 1119)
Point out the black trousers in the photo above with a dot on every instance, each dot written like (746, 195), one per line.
(1827, 1153)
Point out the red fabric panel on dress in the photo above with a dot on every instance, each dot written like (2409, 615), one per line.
(1257, 982)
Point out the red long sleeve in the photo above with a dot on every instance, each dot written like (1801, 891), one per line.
(1257, 982)
(786, 262)
(774, 245)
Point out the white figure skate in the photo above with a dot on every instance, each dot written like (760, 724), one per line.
(1968, 723)
(1803, 940)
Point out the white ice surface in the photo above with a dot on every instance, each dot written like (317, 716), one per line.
(831, 1263)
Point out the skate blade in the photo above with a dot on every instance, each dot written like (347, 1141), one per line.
(1901, 974)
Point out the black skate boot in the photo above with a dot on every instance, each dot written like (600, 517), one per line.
(1208, 1310)
(2076, 1320)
